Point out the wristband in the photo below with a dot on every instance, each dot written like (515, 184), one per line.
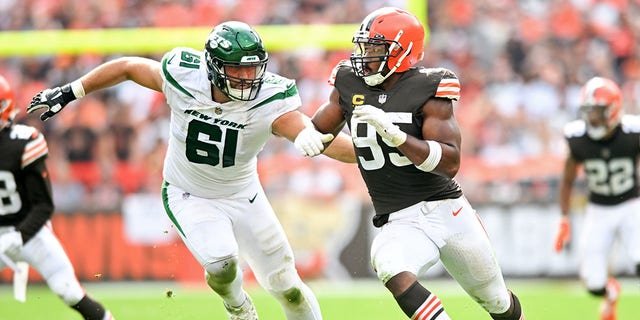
(433, 159)
(395, 136)
(77, 88)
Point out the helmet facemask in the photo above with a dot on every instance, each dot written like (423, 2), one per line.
(370, 50)
(237, 88)
(236, 60)
(599, 120)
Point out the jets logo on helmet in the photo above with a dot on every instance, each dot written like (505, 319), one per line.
(391, 36)
(7, 104)
(235, 44)
(601, 106)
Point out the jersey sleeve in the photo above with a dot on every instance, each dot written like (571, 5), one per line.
(334, 72)
(35, 149)
(36, 180)
(448, 86)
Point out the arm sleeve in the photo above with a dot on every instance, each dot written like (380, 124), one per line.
(36, 178)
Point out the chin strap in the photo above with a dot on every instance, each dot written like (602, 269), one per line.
(378, 78)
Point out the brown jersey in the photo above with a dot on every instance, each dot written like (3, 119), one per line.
(25, 190)
(392, 179)
(611, 165)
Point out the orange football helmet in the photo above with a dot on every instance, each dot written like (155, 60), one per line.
(392, 36)
(601, 106)
(7, 104)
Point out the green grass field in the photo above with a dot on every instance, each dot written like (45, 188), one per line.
(542, 300)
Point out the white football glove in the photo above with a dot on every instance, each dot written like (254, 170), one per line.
(10, 242)
(379, 120)
(310, 142)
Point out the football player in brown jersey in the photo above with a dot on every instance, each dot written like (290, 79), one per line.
(27, 206)
(606, 144)
(407, 142)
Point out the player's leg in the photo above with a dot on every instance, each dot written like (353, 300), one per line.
(45, 254)
(630, 231)
(469, 257)
(597, 239)
(264, 246)
(207, 231)
(400, 252)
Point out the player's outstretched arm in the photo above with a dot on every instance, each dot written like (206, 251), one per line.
(569, 173)
(143, 71)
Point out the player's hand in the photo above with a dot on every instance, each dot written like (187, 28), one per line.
(310, 142)
(564, 234)
(53, 100)
(380, 120)
(10, 241)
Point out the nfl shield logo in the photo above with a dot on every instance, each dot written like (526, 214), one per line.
(382, 98)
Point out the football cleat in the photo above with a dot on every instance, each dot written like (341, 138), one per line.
(246, 311)
(608, 307)
(108, 316)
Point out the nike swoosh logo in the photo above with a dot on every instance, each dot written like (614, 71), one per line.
(253, 199)
(170, 59)
(455, 213)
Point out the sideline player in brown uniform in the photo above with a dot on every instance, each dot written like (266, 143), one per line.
(26, 206)
(607, 144)
(407, 142)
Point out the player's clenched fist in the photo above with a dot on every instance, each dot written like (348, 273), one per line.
(379, 120)
(310, 142)
(55, 99)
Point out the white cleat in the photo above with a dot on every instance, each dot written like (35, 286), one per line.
(108, 316)
(246, 311)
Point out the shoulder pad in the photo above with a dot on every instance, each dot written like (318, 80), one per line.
(630, 123)
(35, 148)
(334, 72)
(276, 79)
(447, 81)
(178, 65)
(277, 84)
(575, 128)
(23, 132)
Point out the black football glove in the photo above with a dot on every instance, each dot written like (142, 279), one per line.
(53, 99)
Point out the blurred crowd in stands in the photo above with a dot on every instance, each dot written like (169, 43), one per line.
(521, 64)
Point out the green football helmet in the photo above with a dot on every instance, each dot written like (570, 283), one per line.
(235, 44)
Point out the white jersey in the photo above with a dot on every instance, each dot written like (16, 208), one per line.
(213, 147)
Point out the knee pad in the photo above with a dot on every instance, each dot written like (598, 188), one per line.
(65, 285)
(222, 271)
(492, 297)
(283, 279)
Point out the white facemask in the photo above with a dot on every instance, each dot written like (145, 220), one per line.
(597, 133)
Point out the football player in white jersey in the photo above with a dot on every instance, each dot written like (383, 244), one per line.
(606, 144)
(224, 107)
(25, 211)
